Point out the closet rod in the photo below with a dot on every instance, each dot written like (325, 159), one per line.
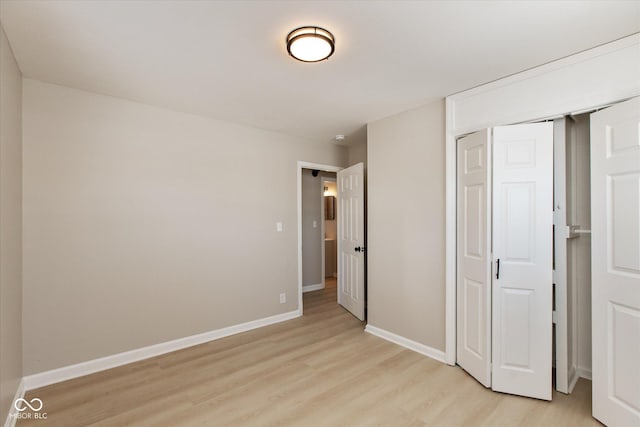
(582, 231)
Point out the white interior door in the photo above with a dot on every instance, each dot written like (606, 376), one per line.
(615, 268)
(522, 252)
(473, 279)
(351, 248)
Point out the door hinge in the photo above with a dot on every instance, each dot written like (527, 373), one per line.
(554, 317)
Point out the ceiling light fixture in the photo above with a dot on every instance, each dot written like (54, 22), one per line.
(310, 44)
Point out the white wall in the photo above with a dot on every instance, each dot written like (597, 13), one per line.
(406, 263)
(10, 226)
(143, 225)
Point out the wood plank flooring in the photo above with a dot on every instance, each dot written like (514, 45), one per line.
(319, 370)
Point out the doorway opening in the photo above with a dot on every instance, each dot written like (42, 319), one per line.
(318, 228)
(573, 323)
(348, 211)
(329, 232)
(311, 226)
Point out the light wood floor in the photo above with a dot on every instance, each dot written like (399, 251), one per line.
(319, 370)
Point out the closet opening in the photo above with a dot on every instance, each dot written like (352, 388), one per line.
(524, 309)
(572, 252)
(601, 82)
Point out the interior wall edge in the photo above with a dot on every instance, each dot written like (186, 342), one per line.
(11, 220)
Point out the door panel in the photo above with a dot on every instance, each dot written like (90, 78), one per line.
(473, 257)
(516, 320)
(351, 294)
(615, 255)
(519, 222)
(522, 245)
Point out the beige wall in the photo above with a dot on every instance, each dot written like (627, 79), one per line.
(406, 176)
(143, 225)
(357, 153)
(10, 226)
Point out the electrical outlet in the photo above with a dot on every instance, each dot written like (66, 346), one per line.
(283, 298)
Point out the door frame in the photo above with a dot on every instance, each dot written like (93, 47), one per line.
(306, 165)
(608, 74)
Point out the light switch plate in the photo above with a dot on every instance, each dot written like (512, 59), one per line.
(278, 226)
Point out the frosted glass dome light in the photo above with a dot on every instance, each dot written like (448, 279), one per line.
(310, 44)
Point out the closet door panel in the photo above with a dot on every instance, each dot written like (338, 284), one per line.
(473, 258)
(615, 254)
(522, 252)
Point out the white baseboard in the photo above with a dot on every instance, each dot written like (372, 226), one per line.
(573, 379)
(584, 373)
(85, 368)
(407, 343)
(309, 288)
(13, 412)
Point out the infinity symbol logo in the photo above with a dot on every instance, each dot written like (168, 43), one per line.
(35, 404)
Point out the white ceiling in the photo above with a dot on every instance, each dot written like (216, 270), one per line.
(228, 60)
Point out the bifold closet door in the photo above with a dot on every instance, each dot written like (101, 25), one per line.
(615, 258)
(522, 256)
(473, 287)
